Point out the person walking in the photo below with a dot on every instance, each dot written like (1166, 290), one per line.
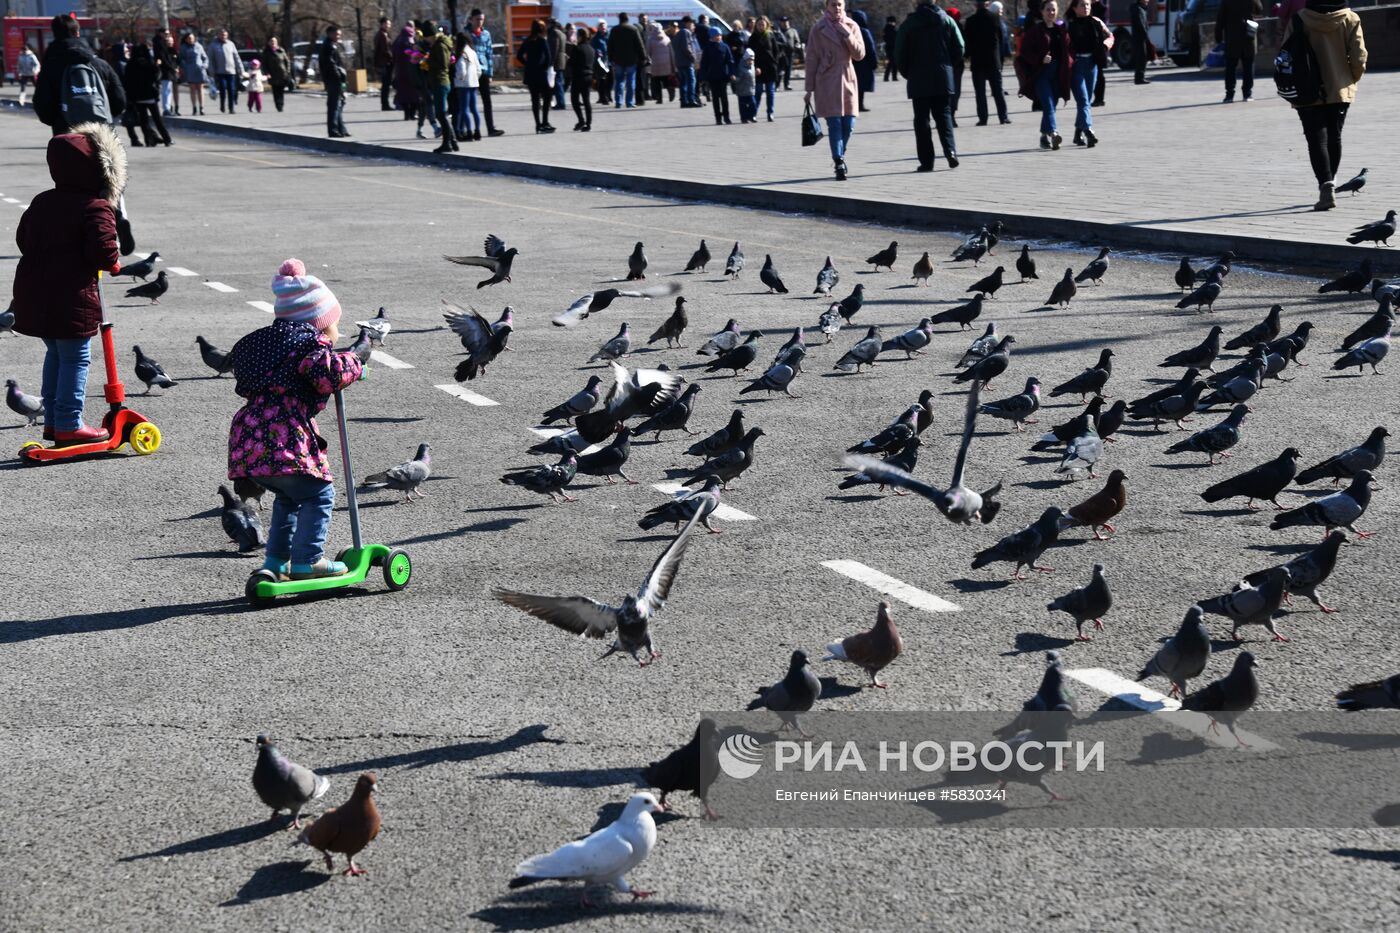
(1098, 10)
(982, 34)
(717, 67)
(168, 65)
(602, 66)
(746, 87)
(958, 67)
(535, 61)
(331, 64)
(582, 58)
(422, 45)
(1141, 45)
(867, 64)
(227, 68)
(278, 68)
(833, 46)
(1043, 68)
(625, 54)
(384, 62)
(1334, 32)
(486, 61)
(661, 72)
(559, 60)
(404, 51)
(439, 82)
(1237, 26)
(142, 85)
(466, 81)
(643, 27)
(257, 83)
(764, 44)
(926, 45)
(194, 71)
(26, 71)
(67, 49)
(685, 55)
(891, 31)
(793, 40)
(1087, 36)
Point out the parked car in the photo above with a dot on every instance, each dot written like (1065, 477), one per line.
(305, 56)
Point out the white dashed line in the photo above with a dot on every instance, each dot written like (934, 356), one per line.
(12, 200)
(547, 433)
(393, 362)
(723, 512)
(181, 271)
(262, 305)
(467, 395)
(221, 287)
(900, 590)
(1140, 697)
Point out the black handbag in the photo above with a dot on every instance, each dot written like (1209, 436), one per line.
(811, 127)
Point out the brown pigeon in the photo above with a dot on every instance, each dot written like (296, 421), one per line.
(872, 650)
(347, 828)
(1097, 510)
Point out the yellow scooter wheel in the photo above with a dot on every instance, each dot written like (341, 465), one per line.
(144, 438)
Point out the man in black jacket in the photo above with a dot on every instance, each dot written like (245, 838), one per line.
(68, 48)
(891, 30)
(1232, 27)
(983, 33)
(626, 54)
(925, 47)
(331, 63)
(1140, 43)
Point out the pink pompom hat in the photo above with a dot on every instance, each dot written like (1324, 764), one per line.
(303, 297)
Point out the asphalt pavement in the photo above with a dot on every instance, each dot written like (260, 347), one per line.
(136, 677)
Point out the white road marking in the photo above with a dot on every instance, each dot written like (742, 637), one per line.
(393, 362)
(467, 395)
(181, 271)
(1140, 697)
(262, 305)
(221, 287)
(900, 590)
(555, 432)
(723, 512)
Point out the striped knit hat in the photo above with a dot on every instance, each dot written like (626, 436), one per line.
(302, 297)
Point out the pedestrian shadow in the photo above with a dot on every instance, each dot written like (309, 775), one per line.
(1220, 513)
(88, 623)
(576, 777)
(199, 555)
(449, 754)
(277, 880)
(557, 905)
(1385, 856)
(222, 839)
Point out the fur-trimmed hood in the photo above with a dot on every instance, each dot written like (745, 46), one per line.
(91, 158)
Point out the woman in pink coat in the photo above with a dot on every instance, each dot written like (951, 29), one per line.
(833, 44)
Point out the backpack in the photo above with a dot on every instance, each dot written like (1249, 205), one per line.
(83, 96)
(1297, 73)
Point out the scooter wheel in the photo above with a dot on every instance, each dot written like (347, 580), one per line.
(398, 570)
(24, 450)
(144, 438)
(341, 555)
(251, 588)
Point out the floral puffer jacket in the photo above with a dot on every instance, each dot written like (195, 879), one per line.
(286, 371)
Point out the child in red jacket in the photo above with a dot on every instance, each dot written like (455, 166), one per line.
(65, 236)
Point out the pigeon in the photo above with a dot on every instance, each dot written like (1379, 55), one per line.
(240, 521)
(1024, 547)
(993, 235)
(602, 299)
(1099, 509)
(213, 357)
(1262, 332)
(1265, 481)
(980, 347)
(140, 269)
(699, 259)
(1252, 605)
(1379, 232)
(631, 620)
(768, 275)
(731, 464)
(912, 341)
(885, 257)
(152, 290)
(150, 372)
(1225, 699)
(1108, 423)
(795, 693)
(777, 378)
(1187, 379)
(1183, 656)
(962, 315)
(1353, 282)
(1091, 381)
(1018, 408)
(1377, 325)
(1239, 389)
(498, 260)
(407, 477)
(672, 328)
(1245, 367)
(609, 461)
(735, 263)
(1298, 340)
(1353, 184)
(1053, 695)
(1365, 354)
(347, 828)
(7, 320)
(616, 348)
(793, 352)
(581, 401)
(990, 366)
(959, 505)
(248, 490)
(1378, 694)
(673, 417)
(1097, 269)
(1089, 602)
(362, 346)
(1064, 290)
(727, 339)
(1369, 455)
(377, 328)
(483, 340)
(852, 303)
(601, 858)
(1216, 439)
(891, 438)
(693, 767)
(1171, 407)
(740, 358)
(831, 321)
(1202, 297)
(29, 406)
(1339, 510)
(863, 353)
(725, 439)
(1307, 571)
(974, 247)
(698, 503)
(872, 650)
(1384, 291)
(923, 270)
(1082, 453)
(1185, 275)
(988, 285)
(1218, 269)
(906, 459)
(637, 263)
(1201, 356)
(1067, 431)
(547, 480)
(826, 279)
(282, 784)
(1025, 265)
(645, 392)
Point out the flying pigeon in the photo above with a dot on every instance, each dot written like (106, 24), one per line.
(693, 767)
(1202, 297)
(1216, 439)
(672, 328)
(1353, 184)
(871, 650)
(150, 372)
(378, 327)
(29, 406)
(498, 260)
(923, 269)
(1201, 356)
(1185, 275)
(1365, 354)
(616, 348)
(768, 275)
(912, 341)
(483, 340)
(990, 366)
(673, 417)
(795, 693)
(740, 358)
(1252, 605)
(644, 392)
(213, 357)
(1024, 547)
(688, 504)
(546, 479)
(735, 263)
(347, 828)
(601, 858)
(1379, 232)
(963, 315)
(637, 263)
(1368, 455)
(1353, 282)
(240, 522)
(1183, 656)
(282, 784)
(988, 285)
(1097, 269)
(725, 439)
(141, 268)
(731, 464)
(152, 290)
(1090, 602)
(1225, 699)
(1089, 382)
(602, 299)
(980, 347)
(826, 279)
(1064, 290)
(1378, 694)
(1265, 481)
(1339, 510)
(1025, 265)
(1102, 507)
(727, 339)
(852, 303)
(699, 259)
(885, 257)
(581, 401)
(1307, 571)
(1018, 408)
(407, 477)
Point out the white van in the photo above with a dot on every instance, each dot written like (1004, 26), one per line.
(588, 12)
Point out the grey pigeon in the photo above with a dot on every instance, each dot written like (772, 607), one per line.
(989, 285)
(852, 303)
(1067, 431)
(248, 490)
(1064, 290)
(1024, 547)
(777, 378)
(213, 357)
(1368, 455)
(1377, 694)
(1379, 232)
(1090, 602)
(498, 260)
(1097, 269)
(1053, 695)
(1365, 354)
(282, 784)
(150, 372)
(637, 263)
(1263, 332)
(1376, 325)
(687, 504)
(727, 339)
(644, 392)
(1248, 604)
(1353, 282)
(740, 358)
(362, 346)
(1025, 265)
(731, 464)
(482, 340)
(547, 479)
(963, 315)
(1018, 408)
(1265, 481)
(29, 406)
(906, 459)
(862, 353)
(1171, 407)
(912, 341)
(1184, 655)
(673, 327)
(674, 417)
(1239, 389)
(616, 348)
(378, 327)
(726, 438)
(601, 300)
(826, 278)
(1082, 453)
(1244, 367)
(1308, 571)
(768, 275)
(974, 247)
(990, 366)
(831, 321)
(1216, 439)
(1353, 184)
(735, 263)
(1201, 356)
(1203, 297)
(1225, 699)
(886, 257)
(581, 401)
(980, 347)
(151, 290)
(1339, 510)
(796, 693)
(7, 320)
(140, 269)
(240, 522)
(693, 767)
(699, 259)
(1089, 382)
(793, 352)
(407, 477)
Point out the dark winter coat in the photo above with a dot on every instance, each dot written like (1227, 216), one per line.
(866, 65)
(582, 59)
(982, 32)
(168, 60)
(716, 62)
(277, 66)
(535, 61)
(765, 55)
(142, 79)
(48, 103)
(330, 62)
(1230, 26)
(926, 47)
(1038, 41)
(625, 46)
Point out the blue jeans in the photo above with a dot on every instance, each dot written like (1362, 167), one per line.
(1082, 78)
(1045, 93)
(685, 76)
(838, 133)
(625, 77)
(301, 515)
(65, 382)
(767, 88)
(228, 90)
(467, 119)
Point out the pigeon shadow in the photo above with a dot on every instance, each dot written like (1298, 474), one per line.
(557, 906)
(1032, 459)
(833, 689)
(277, 880)
(507, 508)
(1388, 815)
(1193, 465)
(1281, 549)
(200, 555)
(1162, 746)
(445, 754)
(207, 513)
(220, 840)
(1387, 856)
(755, 400)
(1353, 742)
(1042, 483)
(967, 585)
(88, 623)
(1218, 645)
(576, 777)
(1219, 513)
(1035, 642)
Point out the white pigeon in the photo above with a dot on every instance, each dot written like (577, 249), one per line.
(601, 858)
(378, 328)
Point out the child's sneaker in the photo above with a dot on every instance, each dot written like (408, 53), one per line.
(322, 568)
(281, 569)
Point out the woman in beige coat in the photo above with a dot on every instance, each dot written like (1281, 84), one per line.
(1334, 32)
(833, 44)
